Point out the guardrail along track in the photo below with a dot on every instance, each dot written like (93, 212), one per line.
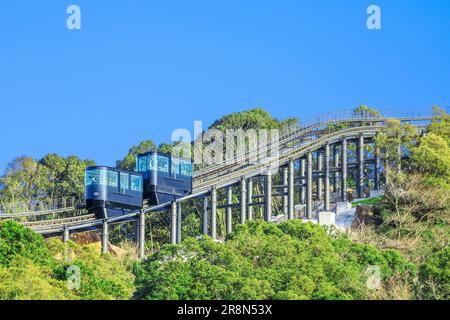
(305, 139)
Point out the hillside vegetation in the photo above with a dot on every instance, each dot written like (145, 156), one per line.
(292, 260)
(259, 260)
(31, 268)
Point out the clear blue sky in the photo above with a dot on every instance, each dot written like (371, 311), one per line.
(139, 69)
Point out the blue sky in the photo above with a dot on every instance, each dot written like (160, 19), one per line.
(140, 69)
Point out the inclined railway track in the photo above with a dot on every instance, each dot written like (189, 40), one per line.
(221, 175)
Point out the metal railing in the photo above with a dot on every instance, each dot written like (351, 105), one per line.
(40, 207)
(323, 119)
(233, 173)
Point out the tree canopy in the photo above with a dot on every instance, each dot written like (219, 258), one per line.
(26, 179)
(31, 268)
(259, 260)
(256, 118)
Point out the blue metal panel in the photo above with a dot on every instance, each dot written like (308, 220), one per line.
(106, 197)
(166, 182)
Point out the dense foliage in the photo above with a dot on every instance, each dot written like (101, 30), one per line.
(415, 208)
(293, 260)
(31, 268)
(252, 119)
(26, 179)
(259, 260)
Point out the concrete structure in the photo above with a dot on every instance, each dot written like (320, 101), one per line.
(327, 218)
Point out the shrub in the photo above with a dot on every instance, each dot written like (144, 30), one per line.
(293, 260)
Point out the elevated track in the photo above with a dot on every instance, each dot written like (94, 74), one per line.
(293, 145)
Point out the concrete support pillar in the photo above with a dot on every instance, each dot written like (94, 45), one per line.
(205, 216)
(309, 200)
(302, 181)
(141, 235)
(290, 183)
(377, 169)
(285, 191)
(360, 175)
(243, 199)
(335, 164)
(213, 213)
(66, 235)
(249, 198)
(105, 237)
(326, 178)
(179, 223)
(268, 196)
(344, 170)
(319, 183)
(399, 158)
(228, 211)
(173, 223)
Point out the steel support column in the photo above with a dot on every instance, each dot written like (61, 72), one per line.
(179, 222)
(326, 177)
(360, 175)
(344, 170)
(319, 184)
(309, 200)
(142, 235)
(285, 191)
(228, 211)
(377, 169)
(173, 223)
(249, 198)
(302, 181)
(205, 216)
(66, 235)
(290, 183)
(105, 237)
(243, 199)
(336, 165)
(268, 196)
(213, 213)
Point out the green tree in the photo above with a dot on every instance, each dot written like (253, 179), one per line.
(395, 134)
(129, 161)
(432, 158)
(440, 125)
(260, 260)
(365, 111)
(251, 119)
(32, 268)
